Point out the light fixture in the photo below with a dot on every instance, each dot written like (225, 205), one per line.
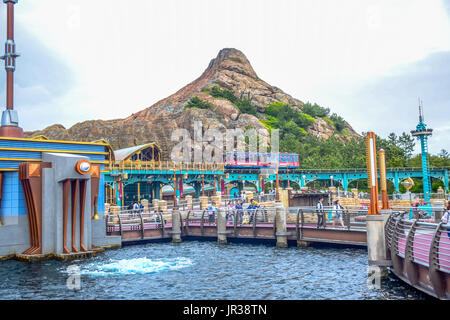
(83, 167)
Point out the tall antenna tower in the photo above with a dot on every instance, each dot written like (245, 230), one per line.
(10, 121)
(422, 134)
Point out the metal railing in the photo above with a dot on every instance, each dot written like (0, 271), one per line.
(128, 165)
(302, 170)
(349, 218)
(419, 242)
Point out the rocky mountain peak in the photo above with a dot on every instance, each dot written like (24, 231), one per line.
(230, 70)
(232, 60)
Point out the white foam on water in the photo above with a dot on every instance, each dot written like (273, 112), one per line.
(136, 266)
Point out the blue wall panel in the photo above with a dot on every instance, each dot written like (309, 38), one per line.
(13, 202)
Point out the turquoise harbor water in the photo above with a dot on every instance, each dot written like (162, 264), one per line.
(203, 270)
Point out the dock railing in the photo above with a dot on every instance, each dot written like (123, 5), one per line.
(128, 165)
(417, 243)
(353, 218)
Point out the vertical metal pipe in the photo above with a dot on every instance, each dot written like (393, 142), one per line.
(10, 121)
(372, 179)
(383, 182)
(277, 187)
(139, 191)
(10, 56)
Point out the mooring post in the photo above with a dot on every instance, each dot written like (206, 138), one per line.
(221, 226)
(280, 222)
(176, 226)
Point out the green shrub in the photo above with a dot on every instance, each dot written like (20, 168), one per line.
(245, 106)
(216, 92)
(339, 122)
(196, 102)
(235, 59)
(304, 120)
(315, 111)
(328, 120)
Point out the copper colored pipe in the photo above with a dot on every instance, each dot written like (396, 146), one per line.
(66, 191)
(30, 215)
(10, 31)
(10, 73)
(383, 180)
(371, 154)
(74, 212)
(82, 207)
(37, 219)
(10, 90)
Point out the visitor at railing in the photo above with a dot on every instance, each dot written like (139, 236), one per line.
(445, 218)
(239, 211)
(243, 197)
(230, 212)
(338, 212)
(212, 212)
(251, 209)
(320, 213)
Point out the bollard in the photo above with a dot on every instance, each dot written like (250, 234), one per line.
(203, 202)
(162, 204)
(155, 204)
(216, 200)
(280, 222)
(145, 205)
(376, 242)
(221, 226)
(176, 226)
(188, 202)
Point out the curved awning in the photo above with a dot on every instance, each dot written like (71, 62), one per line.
(108, 147)
(128, 153)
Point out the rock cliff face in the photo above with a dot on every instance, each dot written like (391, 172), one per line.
(229, 70)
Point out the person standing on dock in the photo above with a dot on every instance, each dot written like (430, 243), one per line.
(239, 211)
(338, 210)
(230, 212)
(243, 197)
(319, 211)
(212, 212)
(251, 209)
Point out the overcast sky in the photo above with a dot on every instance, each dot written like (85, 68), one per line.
(368, 61)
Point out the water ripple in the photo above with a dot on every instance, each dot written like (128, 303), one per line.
(205, 270)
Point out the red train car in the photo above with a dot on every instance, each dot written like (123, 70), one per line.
(261, 160)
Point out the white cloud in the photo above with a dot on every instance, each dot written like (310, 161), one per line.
(126, 56)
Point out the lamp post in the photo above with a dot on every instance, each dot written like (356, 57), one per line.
(331, 178)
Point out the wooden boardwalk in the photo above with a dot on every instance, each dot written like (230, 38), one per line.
(197, 224)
